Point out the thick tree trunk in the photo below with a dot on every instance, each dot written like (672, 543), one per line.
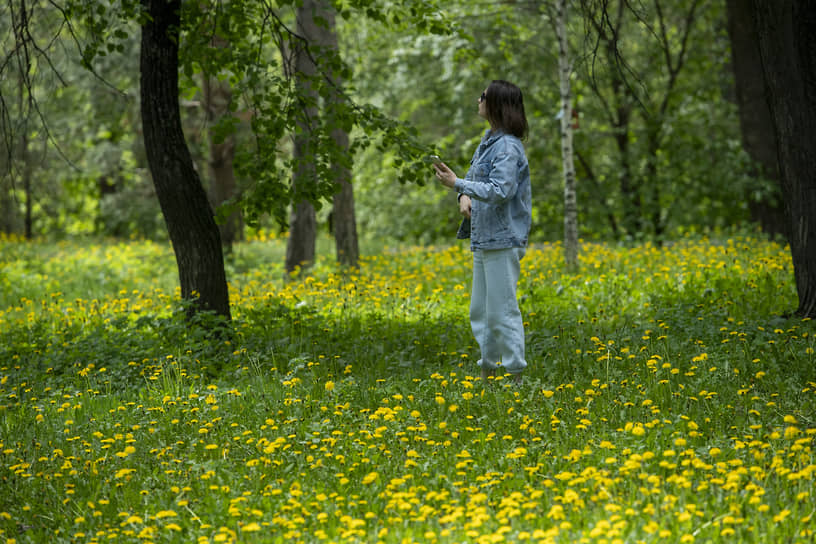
(758, 136)
(217, 97)
(787, 45)
(184, 204)
(300, 249)
(570, 201)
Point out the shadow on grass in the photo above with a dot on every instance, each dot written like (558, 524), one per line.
(565, 343)
(126, 351)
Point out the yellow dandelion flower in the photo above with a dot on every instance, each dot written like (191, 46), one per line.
(370, 478)
(165, 514)
(791, 432)
(129, 450)
(781, 516)
(124, 472)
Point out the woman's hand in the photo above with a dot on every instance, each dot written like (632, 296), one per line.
(445, 174)
(464, 205)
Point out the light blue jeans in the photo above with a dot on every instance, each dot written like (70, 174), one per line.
(495, 317)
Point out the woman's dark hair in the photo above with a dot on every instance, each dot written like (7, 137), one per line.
(504, 107)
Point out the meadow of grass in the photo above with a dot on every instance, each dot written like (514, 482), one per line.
(669, 398)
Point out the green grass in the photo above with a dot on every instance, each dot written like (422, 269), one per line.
(668, 399)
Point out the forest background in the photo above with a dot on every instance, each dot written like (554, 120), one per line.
(658, 146)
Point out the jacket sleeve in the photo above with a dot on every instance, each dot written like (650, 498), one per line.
(500, 183)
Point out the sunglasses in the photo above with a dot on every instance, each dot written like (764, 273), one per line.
(482, 96)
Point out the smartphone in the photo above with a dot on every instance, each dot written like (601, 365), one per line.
(435, 159)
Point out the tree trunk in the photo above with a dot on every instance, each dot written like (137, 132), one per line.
(28, 220)
(620, 115)
(345, 221)
(343, 216)
(217, 95)
(25, 159)
(300, 249)
(8, 210)
(184, 204)
(570, 201)
(758, 136)
(787, 47)
(653, 128)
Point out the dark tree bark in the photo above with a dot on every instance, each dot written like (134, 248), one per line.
(187, 212)
(756, 124)
(300, 248)
(787, 45)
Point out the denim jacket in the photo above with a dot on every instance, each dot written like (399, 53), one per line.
(498, 183)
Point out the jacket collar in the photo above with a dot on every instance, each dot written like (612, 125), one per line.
(490, 136)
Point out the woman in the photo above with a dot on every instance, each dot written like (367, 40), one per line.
(496, 200)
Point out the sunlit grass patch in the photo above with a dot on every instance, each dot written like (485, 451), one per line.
(666, 399)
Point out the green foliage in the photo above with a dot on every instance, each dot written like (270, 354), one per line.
(667, 397)
(248, 43)
(412, 72)
(251, 44)
(701, 174)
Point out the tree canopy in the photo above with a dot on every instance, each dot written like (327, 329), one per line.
(652, 99)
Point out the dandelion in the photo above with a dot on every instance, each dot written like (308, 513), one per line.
(166, 514)
(781, 516)
(124, 472)
(329, 386)
(791, 432)
(129, 450)
(370, 478)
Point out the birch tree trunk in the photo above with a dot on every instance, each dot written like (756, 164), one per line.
(570, 200)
